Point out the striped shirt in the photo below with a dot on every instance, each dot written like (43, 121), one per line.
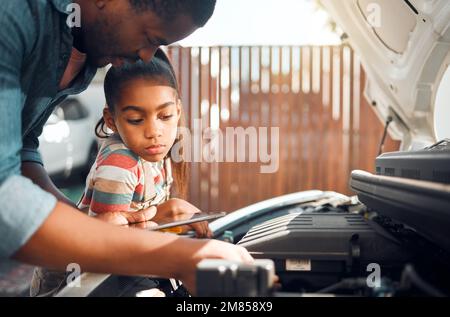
(120, 180)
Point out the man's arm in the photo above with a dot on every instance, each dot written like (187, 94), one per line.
(39, 230)
(39, 176)
(68, 236)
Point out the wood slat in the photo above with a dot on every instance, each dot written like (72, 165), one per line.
(318, 147)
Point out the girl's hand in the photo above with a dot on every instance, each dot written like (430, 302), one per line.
(178, 209)
(123, 218)
(175, 209)
(201, 229)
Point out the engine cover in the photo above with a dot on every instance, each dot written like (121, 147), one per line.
(314, 250)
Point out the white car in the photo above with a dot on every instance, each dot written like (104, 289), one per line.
(404, 47)
(68, 142)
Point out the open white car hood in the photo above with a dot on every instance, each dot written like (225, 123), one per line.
(405, 49)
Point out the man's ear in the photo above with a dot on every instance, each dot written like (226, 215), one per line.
(179, 108)
(109, 119)
(100, 4)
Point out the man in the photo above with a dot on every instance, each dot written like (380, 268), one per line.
(42, 60)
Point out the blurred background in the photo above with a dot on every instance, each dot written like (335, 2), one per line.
(256, 63)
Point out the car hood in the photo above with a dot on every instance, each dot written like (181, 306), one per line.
(404, 47)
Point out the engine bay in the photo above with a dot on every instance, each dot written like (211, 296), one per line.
(339, 250)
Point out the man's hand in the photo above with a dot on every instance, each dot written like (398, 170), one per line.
(209, 249)
(178, 209)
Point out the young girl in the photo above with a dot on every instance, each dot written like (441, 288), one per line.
(133, 170)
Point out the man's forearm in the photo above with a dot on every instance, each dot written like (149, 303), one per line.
(37, 173)
(68, 236)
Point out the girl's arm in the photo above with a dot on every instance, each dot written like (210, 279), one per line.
(68, 236)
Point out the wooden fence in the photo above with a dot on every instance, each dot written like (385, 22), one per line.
(314, 95)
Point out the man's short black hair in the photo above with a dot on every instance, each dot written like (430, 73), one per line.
(199, 10)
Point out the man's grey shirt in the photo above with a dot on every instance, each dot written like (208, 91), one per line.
(35, 47)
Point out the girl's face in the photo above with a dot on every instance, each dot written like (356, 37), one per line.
(146, 117)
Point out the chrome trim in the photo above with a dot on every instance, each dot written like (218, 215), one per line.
(260, 208)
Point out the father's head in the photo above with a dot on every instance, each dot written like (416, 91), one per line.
(115, 31)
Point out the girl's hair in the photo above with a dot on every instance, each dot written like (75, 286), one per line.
(159, 71)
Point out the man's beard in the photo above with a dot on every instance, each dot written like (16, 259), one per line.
(100, 44)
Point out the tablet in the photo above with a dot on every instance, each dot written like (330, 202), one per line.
(203, 216)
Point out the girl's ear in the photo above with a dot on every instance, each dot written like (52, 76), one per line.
(109, 119)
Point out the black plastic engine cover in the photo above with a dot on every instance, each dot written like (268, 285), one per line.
(314, 250)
